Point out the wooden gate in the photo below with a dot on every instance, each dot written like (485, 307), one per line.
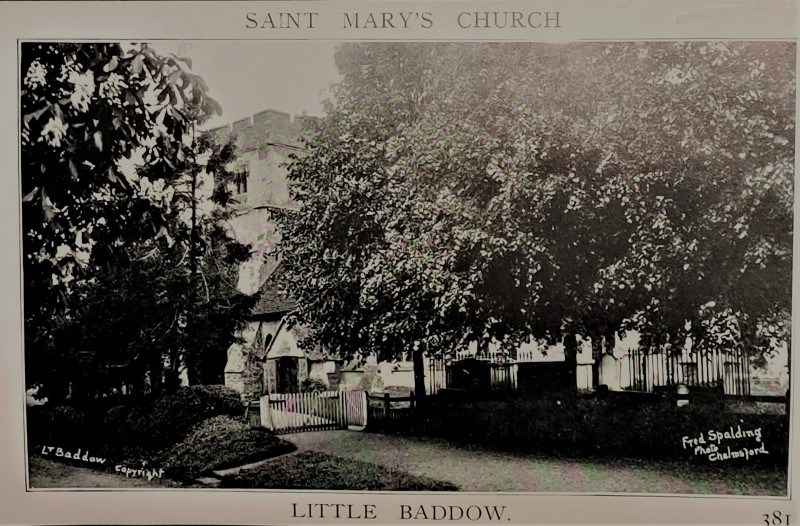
(295, 412)
(388, 414)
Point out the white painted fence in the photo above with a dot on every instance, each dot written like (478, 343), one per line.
(295, 412)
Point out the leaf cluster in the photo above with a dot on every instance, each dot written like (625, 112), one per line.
(128, 268)
(501, 191)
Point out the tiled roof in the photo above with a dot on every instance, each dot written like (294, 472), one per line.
(273, 297)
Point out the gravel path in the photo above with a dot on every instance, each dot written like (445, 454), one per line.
(473, 469)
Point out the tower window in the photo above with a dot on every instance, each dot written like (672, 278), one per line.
(241, 181)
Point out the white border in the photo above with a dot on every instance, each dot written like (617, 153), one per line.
(597, 20)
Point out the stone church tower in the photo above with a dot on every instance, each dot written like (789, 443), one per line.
(269, 359)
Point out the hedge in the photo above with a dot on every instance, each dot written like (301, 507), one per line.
(144, 425)
(219, 443)
(641, 427)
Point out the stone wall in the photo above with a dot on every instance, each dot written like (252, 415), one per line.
(264, 143)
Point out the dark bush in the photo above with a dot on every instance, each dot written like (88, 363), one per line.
(312, 385)
(139, 428)
(61, 425)
(167, 419)
(145, 434)
(630, 426)
(218, 443)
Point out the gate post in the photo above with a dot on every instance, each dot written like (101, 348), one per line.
(386, 411)
(266, 413)
(343, 416)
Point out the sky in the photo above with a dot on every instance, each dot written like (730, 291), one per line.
(247, 77)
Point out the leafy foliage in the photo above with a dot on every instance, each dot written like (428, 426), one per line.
(219, 443)
(186, 433)
(144, 425)
(167, 419)
(128, 271)
(313, 385)
(488, 191)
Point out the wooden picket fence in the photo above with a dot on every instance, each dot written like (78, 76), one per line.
(295, 412)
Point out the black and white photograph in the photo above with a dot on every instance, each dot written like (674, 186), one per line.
(407, 267)
(515, 267)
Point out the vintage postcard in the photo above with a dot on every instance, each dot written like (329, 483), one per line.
(408, 262)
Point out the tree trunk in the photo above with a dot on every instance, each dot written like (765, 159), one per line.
(419, 375)
(610, 341)
(156, 374)
(189, 358)
(571, 359)
(597, 355)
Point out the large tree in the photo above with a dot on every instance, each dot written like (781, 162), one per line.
(475, 191)
(122, 200)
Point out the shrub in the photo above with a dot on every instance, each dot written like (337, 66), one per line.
(140, 428)
(370, 382)
(617, 426)
(313, 385)
(60, 425)
(167, 419)
(217, 443)
(186, 433)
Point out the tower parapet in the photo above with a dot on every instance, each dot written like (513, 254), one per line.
(263, 144)
(268, 126)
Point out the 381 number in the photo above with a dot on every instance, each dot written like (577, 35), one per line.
(776, 519)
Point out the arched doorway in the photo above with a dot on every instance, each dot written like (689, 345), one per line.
(287, 375)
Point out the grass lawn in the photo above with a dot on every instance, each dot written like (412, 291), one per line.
(46, 473)
(315, 470)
